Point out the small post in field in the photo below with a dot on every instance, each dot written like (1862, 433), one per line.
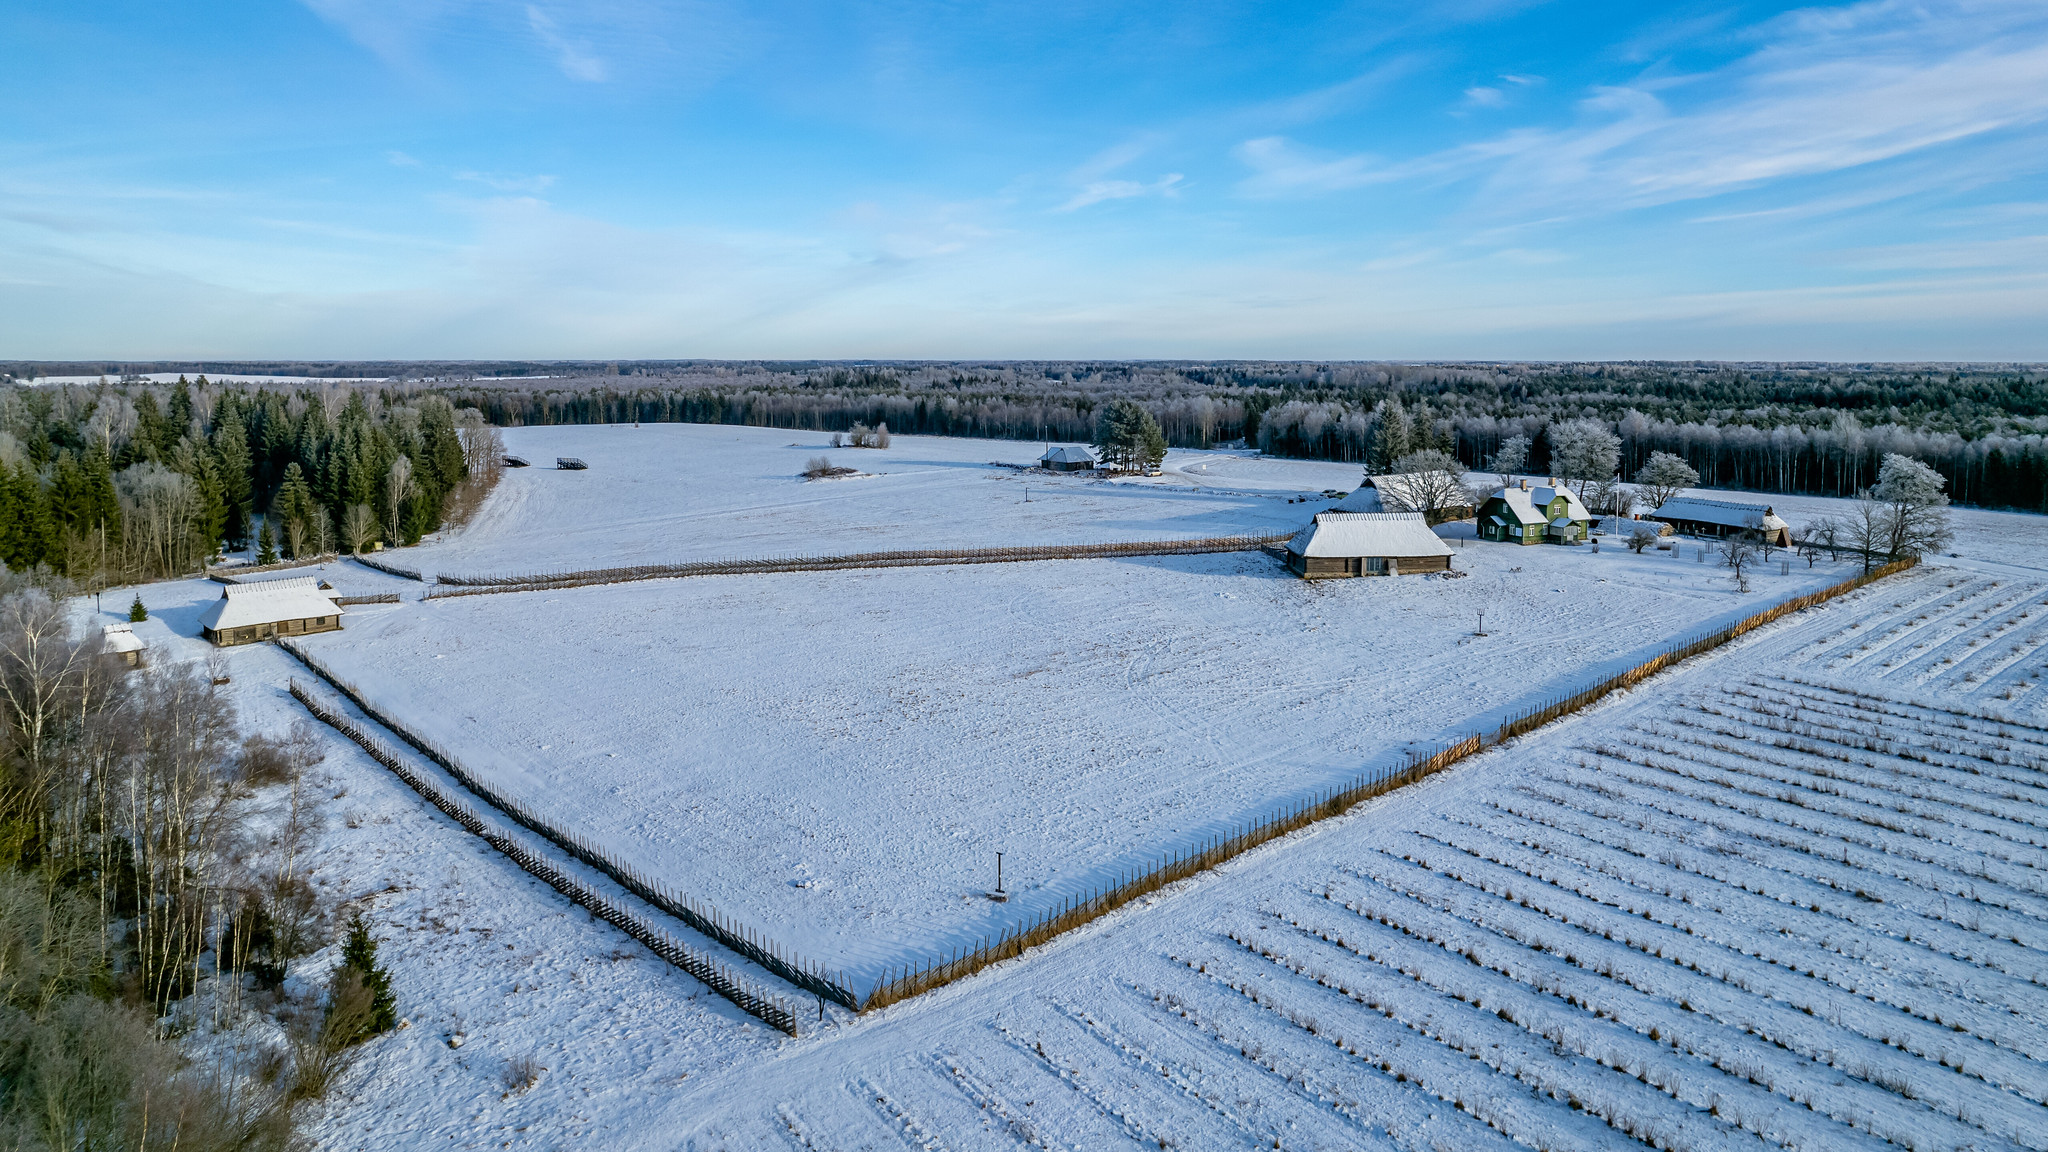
(999, 896)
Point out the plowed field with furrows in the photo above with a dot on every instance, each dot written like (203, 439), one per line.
(1768, 914)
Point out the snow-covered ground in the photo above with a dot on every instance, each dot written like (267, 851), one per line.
(835, 758)
(1631, 910)
(663, 493)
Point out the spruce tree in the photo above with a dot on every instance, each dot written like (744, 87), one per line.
(359, 960)
(136, 612)
(266, 545)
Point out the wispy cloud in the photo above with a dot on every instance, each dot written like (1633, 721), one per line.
(1095, 192)
(1827, 91)
(399, 159)
(1283, 168)
(575, 57)
(502, 183)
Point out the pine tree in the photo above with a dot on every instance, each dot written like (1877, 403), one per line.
(136, 612)
(266, 545)
(359, 961)
(231, 454)
(1392, 438)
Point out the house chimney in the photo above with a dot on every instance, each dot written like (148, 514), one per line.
(1525, 483)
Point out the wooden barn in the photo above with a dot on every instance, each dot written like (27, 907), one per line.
(1066, 459)
(1534, 514)
(1696, 516)
(1407, 492)
(261, 609)
(1338, 544)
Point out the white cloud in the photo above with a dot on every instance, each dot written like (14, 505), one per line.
(1283, 168)
(1095, 192)
(575, 57)
(399, 159)
(1486, 97)
(508, 183)
(1828, 90)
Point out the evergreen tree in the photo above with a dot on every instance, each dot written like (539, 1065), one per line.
(231, 453)
(359, 966)
(1392, 438)
(136, 612)
(295, 510)
(266, 545)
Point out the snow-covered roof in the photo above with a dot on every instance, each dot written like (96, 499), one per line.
(1379, 493)
(121, 638)
(1067, 455)
(268, 602)
(1731, 513)
(1367, 534)
(1531, 505)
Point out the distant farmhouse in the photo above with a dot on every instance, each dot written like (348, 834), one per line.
(1338, 544)
(260, 609)
(1408, 492)
(1066, 460)
(120, 641)
(1695, 516)
(1521, 514)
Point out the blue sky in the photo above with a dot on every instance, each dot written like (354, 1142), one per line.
(1484, 179)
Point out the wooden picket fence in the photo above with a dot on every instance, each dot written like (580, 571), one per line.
(375, 598)
(772, 1009)
(770, 955)
(387, 568)
(446, 586)
(1081, 909)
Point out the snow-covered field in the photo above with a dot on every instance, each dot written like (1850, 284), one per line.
(835, 758)
(1785, 895)
(662, 493)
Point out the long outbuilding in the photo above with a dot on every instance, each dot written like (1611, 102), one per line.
(1339, 544)
(1698, 516)
(261, 609)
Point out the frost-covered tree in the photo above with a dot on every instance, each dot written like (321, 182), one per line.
(1915, 507)
(1584, 452)
(1512, 458)
(1430, 485)
(1665, 476)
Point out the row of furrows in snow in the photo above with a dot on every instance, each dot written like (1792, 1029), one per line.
(1997, 731)
(1916, 592)
(1608, 978)
(2013, 758)
(1959, 626)
(1841, 889)
(1704, 897)
(2010, 897)
(1751, 958)
(1825, 777)
(1891, 625)
(1964, 741)
(1996, 801)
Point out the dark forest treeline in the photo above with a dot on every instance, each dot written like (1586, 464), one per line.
(1818, 429)
(129, 480)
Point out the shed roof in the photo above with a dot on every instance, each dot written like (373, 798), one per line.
(1395, 491)
(1730, 513)
(1067, 455)
(268, 602)
(1531, 505)
(121, 638)
(1368, 534)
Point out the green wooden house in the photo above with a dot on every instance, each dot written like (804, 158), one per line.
(1534, 514)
